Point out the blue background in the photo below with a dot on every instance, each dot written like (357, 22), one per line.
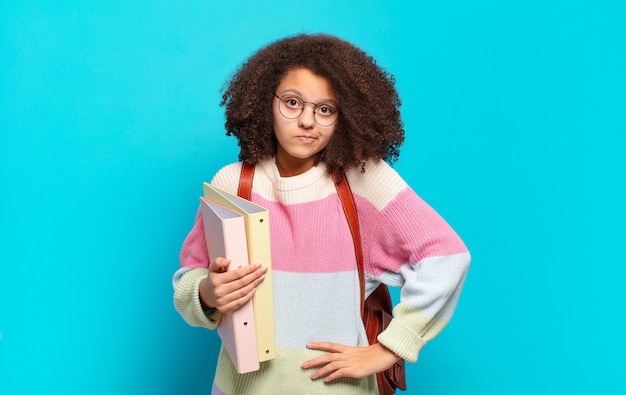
(109, 123)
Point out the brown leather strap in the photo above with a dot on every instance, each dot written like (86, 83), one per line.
(349, 208)
(245, 181)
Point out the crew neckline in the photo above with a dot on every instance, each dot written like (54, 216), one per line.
(300, 181)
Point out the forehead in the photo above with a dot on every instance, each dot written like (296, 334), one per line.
(306, 84)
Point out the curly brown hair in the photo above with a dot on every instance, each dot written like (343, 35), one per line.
(369, 124)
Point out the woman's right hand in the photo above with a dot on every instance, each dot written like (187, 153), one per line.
(228, 290)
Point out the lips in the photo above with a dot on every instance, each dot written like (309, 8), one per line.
(306, 139)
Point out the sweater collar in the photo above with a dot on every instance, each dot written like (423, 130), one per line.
(300, 181)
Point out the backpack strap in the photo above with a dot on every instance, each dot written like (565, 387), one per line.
(245, 181)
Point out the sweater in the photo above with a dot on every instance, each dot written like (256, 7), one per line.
(405, 242)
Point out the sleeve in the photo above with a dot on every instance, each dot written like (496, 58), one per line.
(194, 264)
(409, 245)
(194, 261)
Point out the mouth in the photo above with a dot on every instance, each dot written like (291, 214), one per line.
(306, 139)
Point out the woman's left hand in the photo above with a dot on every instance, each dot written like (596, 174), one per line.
(344, 361)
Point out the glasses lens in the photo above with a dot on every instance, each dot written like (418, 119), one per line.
(326, 114)
(291, 106)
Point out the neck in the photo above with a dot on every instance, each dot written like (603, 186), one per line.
(289, 167)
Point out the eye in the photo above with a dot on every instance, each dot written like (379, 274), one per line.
(292, 101)
(325, 110)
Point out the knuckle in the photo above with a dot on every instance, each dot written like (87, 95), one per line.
(219, 293)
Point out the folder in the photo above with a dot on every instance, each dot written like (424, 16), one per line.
(225, 233)
(259, 251)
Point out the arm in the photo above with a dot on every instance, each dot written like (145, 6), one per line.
(413, 247)
(194, 268)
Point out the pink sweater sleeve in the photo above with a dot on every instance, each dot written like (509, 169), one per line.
(193, 254)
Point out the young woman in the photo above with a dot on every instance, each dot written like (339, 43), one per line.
(301, 108)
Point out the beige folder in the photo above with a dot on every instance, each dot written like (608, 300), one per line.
(259, 251)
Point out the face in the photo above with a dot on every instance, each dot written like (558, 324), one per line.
(300, 139)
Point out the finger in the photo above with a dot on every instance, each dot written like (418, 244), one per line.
(219, 265)
(248, 273)
(237, 303)
(317, 361)
(235, 294)
(333, 350)
(339, 373)
(237, 279)
(232, 288)
(224, 288)
(330, 371)
(326, 346)
(323, 359)
(242, 272)
(233, 280)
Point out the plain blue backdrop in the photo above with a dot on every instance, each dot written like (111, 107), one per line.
(109, 124)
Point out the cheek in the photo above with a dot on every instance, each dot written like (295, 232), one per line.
(277, 119)
(328, 136)
(275, 122)
(281, 133)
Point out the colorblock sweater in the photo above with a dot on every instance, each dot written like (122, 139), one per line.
(406, 244)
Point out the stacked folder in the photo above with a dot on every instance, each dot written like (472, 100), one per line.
(238, 229)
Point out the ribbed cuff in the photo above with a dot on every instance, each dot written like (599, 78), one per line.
(403, 341)
(187, 300)
(209, 321)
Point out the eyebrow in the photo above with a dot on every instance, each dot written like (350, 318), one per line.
(298, 93)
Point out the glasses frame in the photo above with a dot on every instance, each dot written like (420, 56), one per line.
(280, 100)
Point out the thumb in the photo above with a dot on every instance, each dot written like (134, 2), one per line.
(219, 265)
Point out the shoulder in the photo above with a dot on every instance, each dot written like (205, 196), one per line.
(379, 184)
(227, 178)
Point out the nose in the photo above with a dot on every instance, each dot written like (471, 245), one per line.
(307, 117)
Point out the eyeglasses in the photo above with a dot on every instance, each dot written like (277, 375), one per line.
(292, 106)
